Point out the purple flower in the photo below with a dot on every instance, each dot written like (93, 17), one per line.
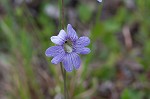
(99, 0)
(67, 48)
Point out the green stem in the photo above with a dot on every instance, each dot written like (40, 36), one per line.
(62, 71)
(65, 87)
(64, 78)
(61, 3)
(62, 8)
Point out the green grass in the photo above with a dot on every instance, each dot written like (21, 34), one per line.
(24, 38)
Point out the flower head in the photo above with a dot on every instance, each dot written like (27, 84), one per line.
(67, 48)
(99, 0)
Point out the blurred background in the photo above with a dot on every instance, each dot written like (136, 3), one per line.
(118, 66)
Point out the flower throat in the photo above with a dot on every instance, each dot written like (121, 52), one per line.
(68, 46)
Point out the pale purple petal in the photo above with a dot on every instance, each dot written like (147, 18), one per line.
(82, 42)
(54, 50)
(75, 60)
(63, 35)
(67, 62)
(83, 50)
(60, 39)
(57, 59)
(70, 60)
(99, 0)
(71, 33)
(57, 40)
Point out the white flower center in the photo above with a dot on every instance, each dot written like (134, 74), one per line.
(68, 46)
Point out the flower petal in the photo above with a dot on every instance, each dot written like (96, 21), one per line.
(60, 39)
(71, 33)
(82, 42)
(58, 58)
(63, 35)
(83, 50)
(57, 40)
(53, 51)
(75, 60)
(99, 0)
(67, 62)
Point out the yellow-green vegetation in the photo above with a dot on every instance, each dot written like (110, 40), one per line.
(118, 66)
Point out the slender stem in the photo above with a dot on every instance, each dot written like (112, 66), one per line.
(65, 87)
(62, 14)
(98, 13)
(61, 8)
(64, 78)
(63, 70)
